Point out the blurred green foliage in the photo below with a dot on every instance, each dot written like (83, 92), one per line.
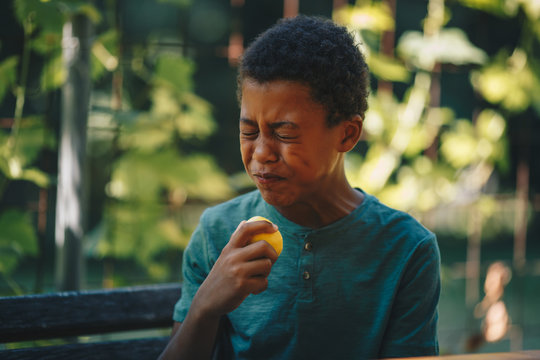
(141, 149)
(151, 175)
(419, 155)
(41, 22)
(151, 178)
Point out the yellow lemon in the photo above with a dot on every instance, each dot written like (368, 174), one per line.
(275, 239)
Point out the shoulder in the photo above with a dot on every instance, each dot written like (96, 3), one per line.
(392, 220)
(397, 229)
(221, 220)
(217, 224)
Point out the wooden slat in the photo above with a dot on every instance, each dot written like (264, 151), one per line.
(78, 313)
(139, 349)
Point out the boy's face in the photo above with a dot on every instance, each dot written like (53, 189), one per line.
(287, 148)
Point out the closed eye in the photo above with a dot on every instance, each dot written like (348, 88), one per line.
(249, 134)
(248, 128)
(286, 136)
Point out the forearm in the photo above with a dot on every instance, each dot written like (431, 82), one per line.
(194, 338)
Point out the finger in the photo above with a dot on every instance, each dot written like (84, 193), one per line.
(236, 235)
(257, 250)
(257, 285)
(245, 231)
(258, 268)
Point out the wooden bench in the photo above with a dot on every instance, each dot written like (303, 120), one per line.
(70, 315)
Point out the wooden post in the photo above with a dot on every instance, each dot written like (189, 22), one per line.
(472, 266)
(522, 204)
(70, 200)
(290, 8)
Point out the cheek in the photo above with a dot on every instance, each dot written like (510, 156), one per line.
(310, 165)
(304, 164)
(245, 152)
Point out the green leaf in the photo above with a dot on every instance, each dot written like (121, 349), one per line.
(134, 177)
(147, 134)
(104, 54)
(174, 71)
(8, 75)
(497, 7)
(459, 146)
(490, 125)
(17, 238)
(90, 11)
(196, 119)
(36, 176)
(449, 46)
(53, 74)
(509, 81)
(375, 17)
(46, 42)
(45, 14)
(32, 138)
(387, 68)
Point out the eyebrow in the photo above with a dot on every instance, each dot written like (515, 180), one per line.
(274, 125)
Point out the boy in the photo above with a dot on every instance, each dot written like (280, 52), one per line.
(355, 279)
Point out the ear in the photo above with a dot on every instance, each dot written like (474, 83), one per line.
(351, 131)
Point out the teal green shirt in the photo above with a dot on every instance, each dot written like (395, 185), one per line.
(366, 286)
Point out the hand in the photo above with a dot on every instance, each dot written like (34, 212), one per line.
(241, 269)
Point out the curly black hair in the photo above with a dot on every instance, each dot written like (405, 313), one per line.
(316, 52)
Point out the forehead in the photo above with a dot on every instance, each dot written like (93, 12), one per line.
(278, 96)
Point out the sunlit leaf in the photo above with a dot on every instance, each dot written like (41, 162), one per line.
(375, 17)
(202, 178)
(134, 177)
(36, 176)
(172, 232)
(196, 118)
(460, 145)
(164, 102)
(387, 68)
(490, 125)
(378, 165)
(147, 134)
(53, 74)
(104, 54)
(448, 46)
(509, 82)
(382, 116)
(496, 7)
(32, 138)
(532, 8)
(90, 11)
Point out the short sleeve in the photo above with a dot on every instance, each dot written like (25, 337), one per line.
(195, 268)
(412, 328)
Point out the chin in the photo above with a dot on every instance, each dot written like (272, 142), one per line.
(276, 199)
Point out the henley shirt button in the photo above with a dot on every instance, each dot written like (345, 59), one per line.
(306, 275)
(308, 246)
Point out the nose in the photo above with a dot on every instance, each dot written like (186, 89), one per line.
(265, 151)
